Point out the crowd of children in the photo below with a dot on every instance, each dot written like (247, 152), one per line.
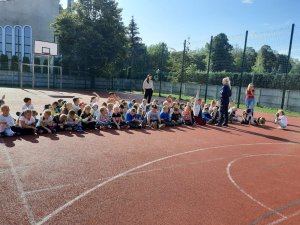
(117, 113)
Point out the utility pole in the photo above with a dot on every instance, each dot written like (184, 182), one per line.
(182, 68)
(208, 67)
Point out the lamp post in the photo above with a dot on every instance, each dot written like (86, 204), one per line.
(158, 73)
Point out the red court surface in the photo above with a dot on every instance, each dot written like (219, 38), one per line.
(186, 175)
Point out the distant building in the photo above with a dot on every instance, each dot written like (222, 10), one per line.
(24, 21)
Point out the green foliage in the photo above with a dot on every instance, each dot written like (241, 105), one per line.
(37, 69)
(26, 60)
(92, 37)
(14, 63)
(4, 62)
(221, 56)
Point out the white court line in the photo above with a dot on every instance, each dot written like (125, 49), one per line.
(242, 190)
(82, 195)
(130, 174)
(20, 188)
(284, 219)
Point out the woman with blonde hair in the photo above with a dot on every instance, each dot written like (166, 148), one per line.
(225, 94)
(249, 98)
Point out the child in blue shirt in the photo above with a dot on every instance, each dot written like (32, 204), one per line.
(165, 116)
(205, 114)
(131, 119)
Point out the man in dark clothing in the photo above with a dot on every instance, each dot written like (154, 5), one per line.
(225, 94)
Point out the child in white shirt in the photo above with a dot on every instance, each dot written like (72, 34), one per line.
(281, 119)
(27, 104)
(6, 122)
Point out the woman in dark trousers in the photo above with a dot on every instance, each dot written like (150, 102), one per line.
(148, 88)
(225, 94)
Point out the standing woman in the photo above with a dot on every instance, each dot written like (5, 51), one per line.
(225, 94)
(249, 99)
(148, 88)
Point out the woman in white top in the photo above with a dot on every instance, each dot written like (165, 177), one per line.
(148, 88)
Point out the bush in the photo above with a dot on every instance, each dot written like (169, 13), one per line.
(267, 80)
(14, 63)
(4, 62)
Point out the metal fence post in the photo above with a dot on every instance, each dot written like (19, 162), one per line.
(208, 67)
(242, 70)
(287, 68)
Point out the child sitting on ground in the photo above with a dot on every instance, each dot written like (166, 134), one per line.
(131, 119)
(110, 111)
(95, 111)
(206, 115)
(73, 122)
(281, 119)
(27, 104)
(103, 120)
(87, 118)
(165, 116)
(176, 117)
(6, 122)
(116, 118)
(45, 123)
(214, 115)
(187, 116)
(144, 106)
(153, 118)
(232, 115)
(26, 124)
(247, 117)
(60, 122)
(141, 117)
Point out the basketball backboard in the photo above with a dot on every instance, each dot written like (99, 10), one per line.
(45, 48)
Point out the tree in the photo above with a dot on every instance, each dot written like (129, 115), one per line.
(14, 63)
(4, 62)
(137, 51)
(250, 59)
(158, 57)
(221, 57)
(282, 64)
(266, 60)
(295, 67)
(92, 37)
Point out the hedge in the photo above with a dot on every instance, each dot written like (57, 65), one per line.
(273, 81)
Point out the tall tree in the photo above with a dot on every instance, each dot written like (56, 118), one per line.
(221, 57)
(158, 57)
(266, 60)
(92, 37)
(282, 64)
(137, 51)
(250, 59)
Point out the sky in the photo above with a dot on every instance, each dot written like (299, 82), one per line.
(173, 21)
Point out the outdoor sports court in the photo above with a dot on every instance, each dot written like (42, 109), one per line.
(186, 175)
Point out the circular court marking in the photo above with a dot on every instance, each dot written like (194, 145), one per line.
(120, 175)
(229, 165)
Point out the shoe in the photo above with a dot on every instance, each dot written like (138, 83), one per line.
(225, 124)
(218, 124)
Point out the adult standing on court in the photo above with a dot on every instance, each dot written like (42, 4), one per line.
(249, 99)
(148, 88)
(225, 94)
